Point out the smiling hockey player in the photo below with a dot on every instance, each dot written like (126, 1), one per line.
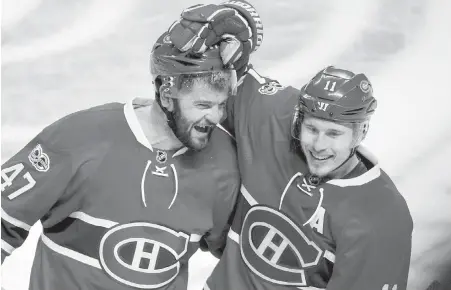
(316, 209)
(125, 192)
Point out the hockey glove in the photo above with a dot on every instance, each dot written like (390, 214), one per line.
(202, 26)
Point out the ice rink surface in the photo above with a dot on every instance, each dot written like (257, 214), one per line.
(59, 56)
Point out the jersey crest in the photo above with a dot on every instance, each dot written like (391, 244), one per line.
(275, 248)
(162, 156)
(365, 86)
(39, 159)
(142, 255)
(270, 88)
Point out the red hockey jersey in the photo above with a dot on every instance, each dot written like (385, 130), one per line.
(345, 234)
(116, 213)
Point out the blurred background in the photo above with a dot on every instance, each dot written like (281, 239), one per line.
(59, 56)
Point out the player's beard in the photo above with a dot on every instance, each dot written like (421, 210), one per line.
(183, 128)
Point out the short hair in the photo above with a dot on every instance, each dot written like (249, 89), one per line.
(216, 80)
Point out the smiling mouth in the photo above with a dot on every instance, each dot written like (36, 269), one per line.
(203, 129)
(320, 157)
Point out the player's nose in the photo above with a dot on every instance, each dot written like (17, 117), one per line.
(320, 142)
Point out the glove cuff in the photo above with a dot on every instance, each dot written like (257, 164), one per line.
(253, 18)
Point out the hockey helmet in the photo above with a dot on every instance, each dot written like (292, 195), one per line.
(336, 95)
(168, 62)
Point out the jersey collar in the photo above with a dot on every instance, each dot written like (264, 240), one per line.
(133, 122)
(368, 176)
(135, 126)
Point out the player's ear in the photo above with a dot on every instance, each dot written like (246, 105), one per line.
(166, 98)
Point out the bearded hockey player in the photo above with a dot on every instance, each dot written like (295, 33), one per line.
(126, 192)
(316, 210)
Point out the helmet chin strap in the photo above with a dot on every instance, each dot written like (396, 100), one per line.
(315, 179)
(351, 154)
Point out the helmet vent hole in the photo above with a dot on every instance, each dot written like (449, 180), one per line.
(186, 63)
(194, 55)
(352, 112)
(355, 110)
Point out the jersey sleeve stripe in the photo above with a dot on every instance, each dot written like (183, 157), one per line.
(195, 238)
(7, 247)
(329, 256)
(92, 220)
(234, 236)
(15, 222)
(70, 253)
(248, 196)
(257, 77)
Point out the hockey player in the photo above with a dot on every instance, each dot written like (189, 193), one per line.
(316, 210)
(125, 192)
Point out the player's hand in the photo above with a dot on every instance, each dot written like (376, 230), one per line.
(202, 26)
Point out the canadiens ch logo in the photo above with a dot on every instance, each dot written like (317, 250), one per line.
(162, 156)
(365, 86)
(274, 253)
(167, 39)
(142, 255)
(270, 88)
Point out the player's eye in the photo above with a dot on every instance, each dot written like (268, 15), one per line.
(311, 129)
(334, 134)
(203, 106)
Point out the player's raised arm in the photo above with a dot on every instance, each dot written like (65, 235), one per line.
(32, 182)
(236, 25)
(237, 28)
(373, 251)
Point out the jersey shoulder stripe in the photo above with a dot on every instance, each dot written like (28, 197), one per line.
(259, 97)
